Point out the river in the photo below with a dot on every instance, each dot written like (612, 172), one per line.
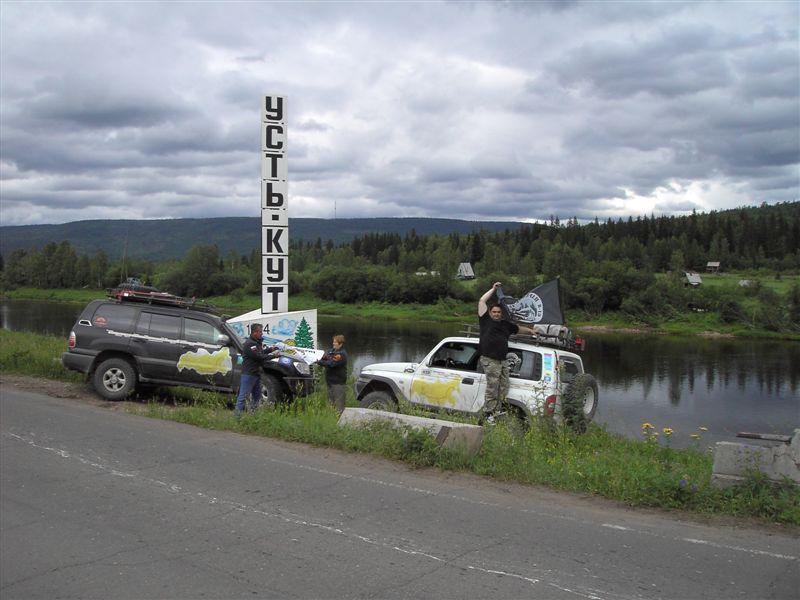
(684, 383)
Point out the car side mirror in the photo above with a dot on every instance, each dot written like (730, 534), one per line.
(224, 340)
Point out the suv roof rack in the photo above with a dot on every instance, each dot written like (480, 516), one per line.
(128, 293)
(554, 336)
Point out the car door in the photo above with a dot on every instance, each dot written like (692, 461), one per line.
(449, 379)
(204, 359)
(157, 346)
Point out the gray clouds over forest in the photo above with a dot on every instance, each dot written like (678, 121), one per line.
(469, 110)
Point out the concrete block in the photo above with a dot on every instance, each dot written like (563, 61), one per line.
(776, 462)
(447, 434)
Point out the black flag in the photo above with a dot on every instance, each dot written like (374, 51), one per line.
(540, 305)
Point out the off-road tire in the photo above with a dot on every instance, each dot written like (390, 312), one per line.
(579, 402)
(115, 379)
(272, 390)
(379, 400)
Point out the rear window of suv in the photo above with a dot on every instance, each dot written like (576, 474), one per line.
(114, 316)
(529, 365)
(165, 326)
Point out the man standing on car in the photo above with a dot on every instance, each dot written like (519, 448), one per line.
(253, 357)
(335, 363)
(494, 335)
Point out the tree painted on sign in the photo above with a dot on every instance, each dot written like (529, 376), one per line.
(303, 338)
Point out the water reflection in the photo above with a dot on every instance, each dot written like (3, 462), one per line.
(682, 383)
(682, 364)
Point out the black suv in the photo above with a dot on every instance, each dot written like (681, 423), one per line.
(120, 344)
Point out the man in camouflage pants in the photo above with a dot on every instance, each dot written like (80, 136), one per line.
(495, 332)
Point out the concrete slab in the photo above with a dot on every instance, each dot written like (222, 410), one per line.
(777, 462)
(467, 438)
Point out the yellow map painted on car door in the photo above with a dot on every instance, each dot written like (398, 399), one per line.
(205, 363)
(435, 392)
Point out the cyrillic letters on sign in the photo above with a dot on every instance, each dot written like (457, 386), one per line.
(274, 206)
(275, 271)
(274, 241)
(275, 298)
(273, 195)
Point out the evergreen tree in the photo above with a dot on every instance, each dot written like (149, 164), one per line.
(303, 337)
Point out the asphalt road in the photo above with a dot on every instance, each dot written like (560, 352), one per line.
(97, 503)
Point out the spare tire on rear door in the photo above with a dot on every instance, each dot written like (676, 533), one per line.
(579, 402)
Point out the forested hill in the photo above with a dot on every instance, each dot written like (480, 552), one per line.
(171, 238)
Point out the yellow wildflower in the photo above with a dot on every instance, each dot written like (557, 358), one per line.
(695, 436)
(701, 428)
(647, 426)
(667, 431)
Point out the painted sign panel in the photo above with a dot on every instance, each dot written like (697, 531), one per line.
(296, 329)
(274, 206)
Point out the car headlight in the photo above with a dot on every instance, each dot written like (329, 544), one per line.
(302, 367)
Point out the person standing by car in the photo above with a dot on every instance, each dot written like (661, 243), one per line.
(335, 363)
(494, 334)
(253, 356)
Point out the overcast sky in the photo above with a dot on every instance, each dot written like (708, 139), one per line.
(485, 111)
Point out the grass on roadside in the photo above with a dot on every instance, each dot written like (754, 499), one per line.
(32, 354)
(636, 472)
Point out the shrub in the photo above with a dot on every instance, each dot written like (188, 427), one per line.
(730, 311)
(770, 313)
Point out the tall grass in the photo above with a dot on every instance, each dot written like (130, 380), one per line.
(636, 472)
(31, 354)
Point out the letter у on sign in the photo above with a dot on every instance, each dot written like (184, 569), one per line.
(274, 206)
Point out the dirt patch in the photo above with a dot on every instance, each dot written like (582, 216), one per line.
(58, 389)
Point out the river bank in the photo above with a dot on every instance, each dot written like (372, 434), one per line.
(636, 472)
(449, 311)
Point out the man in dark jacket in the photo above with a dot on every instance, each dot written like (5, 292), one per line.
(495, 332)
(253, 357)
(335, 363)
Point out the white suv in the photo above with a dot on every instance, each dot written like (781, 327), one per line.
(450, 378)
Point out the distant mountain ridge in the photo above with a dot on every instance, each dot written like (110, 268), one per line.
(164, 239)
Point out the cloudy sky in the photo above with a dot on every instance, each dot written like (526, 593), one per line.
(485, 111)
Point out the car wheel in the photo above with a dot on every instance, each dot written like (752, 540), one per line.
(379, 400)
(579, 402)
(114, 379)
(272, 391)
(592, 396)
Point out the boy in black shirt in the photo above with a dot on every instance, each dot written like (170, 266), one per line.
(335, 363)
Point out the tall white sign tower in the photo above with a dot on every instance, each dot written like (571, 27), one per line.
(274, 207)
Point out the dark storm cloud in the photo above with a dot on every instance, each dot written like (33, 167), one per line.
(680, 62)
(479, 110)
(78, 104)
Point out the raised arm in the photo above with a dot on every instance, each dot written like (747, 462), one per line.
(482, 308)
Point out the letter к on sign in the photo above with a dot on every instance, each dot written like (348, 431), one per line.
(274, 206)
